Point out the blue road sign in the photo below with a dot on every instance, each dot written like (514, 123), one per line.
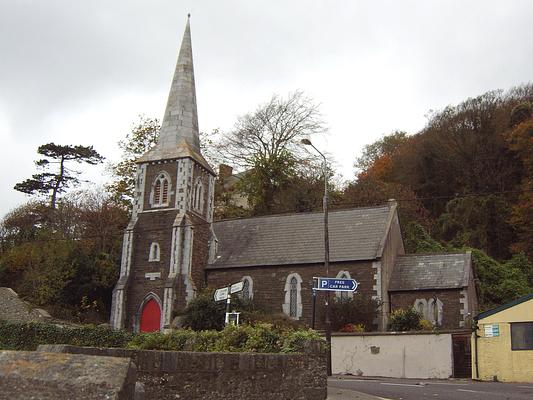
(337, 284)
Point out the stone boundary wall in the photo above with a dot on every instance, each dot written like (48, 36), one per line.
(421, 355)
(194, 375)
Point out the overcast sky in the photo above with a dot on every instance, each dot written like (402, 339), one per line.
(80, 72)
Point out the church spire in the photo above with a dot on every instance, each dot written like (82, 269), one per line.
(179, 134)
(181, 115)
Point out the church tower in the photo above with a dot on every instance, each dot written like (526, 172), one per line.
(166, 243)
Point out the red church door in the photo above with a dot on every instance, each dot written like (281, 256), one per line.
(151, 316)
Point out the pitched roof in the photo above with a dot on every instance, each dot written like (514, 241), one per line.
(431, 271)
(505, 306)
(12, 308)
(354, 234)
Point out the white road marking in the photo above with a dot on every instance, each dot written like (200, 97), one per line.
(400, 384)
(444, 383)
(352, 380)
(526, 387)
(469, 391)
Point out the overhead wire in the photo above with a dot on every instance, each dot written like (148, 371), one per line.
(316, 208)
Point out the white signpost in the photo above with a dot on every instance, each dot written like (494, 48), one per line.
(225, 294)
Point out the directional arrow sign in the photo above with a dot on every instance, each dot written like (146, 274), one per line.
(221, 294)
(236, 287)
(337, 284)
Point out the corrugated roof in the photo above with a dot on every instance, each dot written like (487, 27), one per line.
(431, 271)
(355, 234)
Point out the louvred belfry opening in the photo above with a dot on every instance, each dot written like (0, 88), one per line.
(150, 317)
(165, 191)
(157, 192)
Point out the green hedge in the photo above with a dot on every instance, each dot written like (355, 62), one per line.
(261, 338)
(27, 336)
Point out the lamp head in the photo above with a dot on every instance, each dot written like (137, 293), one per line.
(307, 142)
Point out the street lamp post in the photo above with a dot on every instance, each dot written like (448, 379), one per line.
(307, 142)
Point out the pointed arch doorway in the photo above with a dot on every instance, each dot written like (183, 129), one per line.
(150, 316)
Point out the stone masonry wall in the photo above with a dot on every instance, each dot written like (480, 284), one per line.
(151, 227)
(269, 284)
(152, 171)
(188, 375)
(451, 309)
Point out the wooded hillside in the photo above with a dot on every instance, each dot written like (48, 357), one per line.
(464, 181)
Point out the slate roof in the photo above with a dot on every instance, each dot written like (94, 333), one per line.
(13, 309)
(355, 234)
(431, 271)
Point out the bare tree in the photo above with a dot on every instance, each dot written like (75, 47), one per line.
(272, 130)
(266, 143)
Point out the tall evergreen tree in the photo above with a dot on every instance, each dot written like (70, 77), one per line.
(54, 183)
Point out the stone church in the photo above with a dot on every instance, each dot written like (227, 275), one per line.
(172, 247)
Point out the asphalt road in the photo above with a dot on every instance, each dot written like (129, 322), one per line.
(412, 389)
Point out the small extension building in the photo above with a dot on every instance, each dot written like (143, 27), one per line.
(428, 281)
(172, 247)
(502, 345)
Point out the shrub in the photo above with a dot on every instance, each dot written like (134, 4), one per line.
(404, 320)
(353, 328)
(277, 321)
(359, 310)
(426, 325)
(176, 340)
(203, 313)
(297, 341)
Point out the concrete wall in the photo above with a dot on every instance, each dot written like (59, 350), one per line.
(189, 375)
(396, 355)
(495, 357)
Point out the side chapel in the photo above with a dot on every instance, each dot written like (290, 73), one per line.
(172, 248)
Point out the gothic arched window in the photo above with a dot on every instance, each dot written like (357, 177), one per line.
(198, 195)
(161, 190)
(155, 252)
(293, 296)
(421, 306)
(435, 311)
(344, 296)
(247, 290)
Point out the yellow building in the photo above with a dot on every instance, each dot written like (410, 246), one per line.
(502, 345)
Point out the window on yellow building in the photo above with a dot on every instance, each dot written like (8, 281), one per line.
(522, 335)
